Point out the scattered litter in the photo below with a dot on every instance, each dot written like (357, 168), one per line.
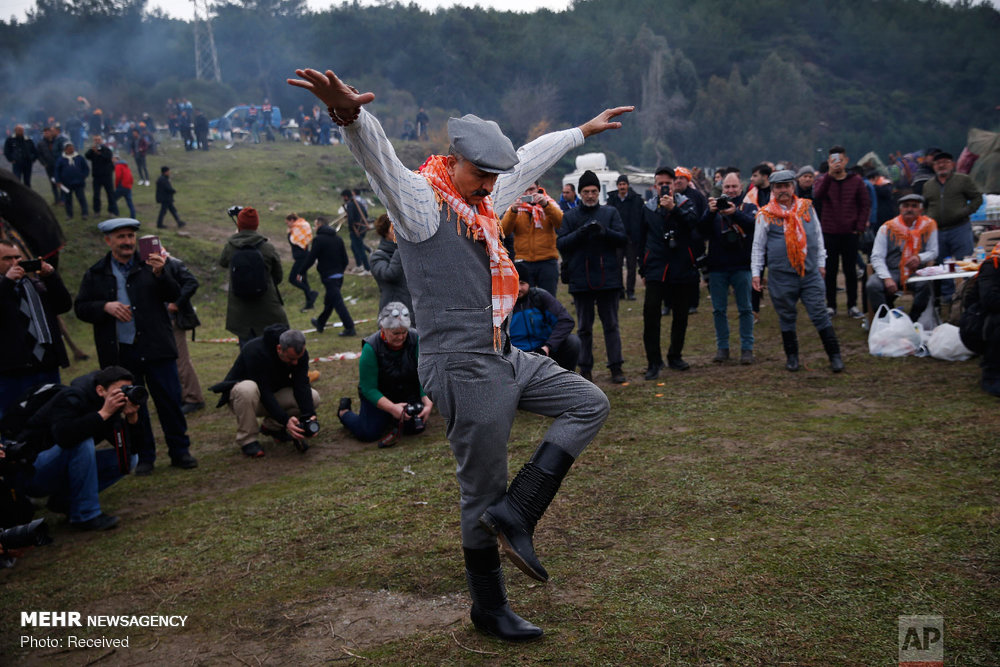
(407, 469)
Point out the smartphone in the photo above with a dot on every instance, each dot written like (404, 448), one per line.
(527, 199)
(148, 245)
(30, 265)
(664, 190)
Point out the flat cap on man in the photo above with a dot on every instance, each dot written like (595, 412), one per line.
(111, 225)
(944, 155)
(913, 196)
(803, 171)
(783, 176)
(482, 143)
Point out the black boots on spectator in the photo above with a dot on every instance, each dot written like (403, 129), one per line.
(490, 612)
(513, 518)
(832, 347)
(791, 343)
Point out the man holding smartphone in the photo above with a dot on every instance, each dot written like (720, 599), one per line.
(124, 298)
(32, 295)
(533, 220)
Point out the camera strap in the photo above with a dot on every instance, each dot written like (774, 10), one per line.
(121, 448)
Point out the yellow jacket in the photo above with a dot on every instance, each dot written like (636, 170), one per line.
(531, 243)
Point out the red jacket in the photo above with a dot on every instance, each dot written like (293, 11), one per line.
(843, 205)
(123, 176)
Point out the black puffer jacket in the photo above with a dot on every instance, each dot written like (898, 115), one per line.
(591, 253)
(328, 251)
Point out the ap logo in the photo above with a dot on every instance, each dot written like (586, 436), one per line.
(921, 641)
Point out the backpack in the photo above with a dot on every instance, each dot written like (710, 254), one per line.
(248, 274)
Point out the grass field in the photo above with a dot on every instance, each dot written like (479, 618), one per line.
(729, 515)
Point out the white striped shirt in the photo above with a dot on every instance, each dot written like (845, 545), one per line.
(409, 198)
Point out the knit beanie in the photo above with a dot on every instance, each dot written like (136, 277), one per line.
(588, 178)
(247, 219)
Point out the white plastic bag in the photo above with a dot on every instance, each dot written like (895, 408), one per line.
(946, 343)
(892, 334)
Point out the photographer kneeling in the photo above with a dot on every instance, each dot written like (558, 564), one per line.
(71, 471)
(270, 379)
(388, 384)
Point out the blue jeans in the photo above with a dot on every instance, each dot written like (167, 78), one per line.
(370, 423)
(718, 287)
(360, 252)
(127, 194)
(334, 301)
(953, 242)
(13, 386)
(76, 475)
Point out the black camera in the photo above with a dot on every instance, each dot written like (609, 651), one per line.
(722, 203)
(234, 211)
(310, 427)
(34, 534)
(670, 236)
(135, 393)
(30, 265)
(413, 409)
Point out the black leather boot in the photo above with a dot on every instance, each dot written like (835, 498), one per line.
(513, 518)
(832, 347)
(791, 343)
(490, 612)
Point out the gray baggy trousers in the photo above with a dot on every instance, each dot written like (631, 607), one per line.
(788, 288)
(478, 396)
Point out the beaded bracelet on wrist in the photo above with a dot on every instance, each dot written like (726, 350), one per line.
(342, 122)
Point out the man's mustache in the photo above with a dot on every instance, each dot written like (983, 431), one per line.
(480, 193)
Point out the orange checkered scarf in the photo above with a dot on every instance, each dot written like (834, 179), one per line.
(912, 239)
(536, 211)
(300, 234)
(795, 232)
(483, 225)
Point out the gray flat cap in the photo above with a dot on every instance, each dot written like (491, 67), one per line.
(111, 225)
(805, 170)
(482, 143)
(783, 176)
(913, 196)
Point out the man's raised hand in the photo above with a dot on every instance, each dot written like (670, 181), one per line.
(602, 121)
(331, 90)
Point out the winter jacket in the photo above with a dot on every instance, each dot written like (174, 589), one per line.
(730, 240)
(843, 205)
(387, 268)
(74, 416)
(16, 345)
(258, 361)
(102, 159)
(328, 252)
(591, 252)
(148, 294)
(72, 172)
(123, 176)
(248, 318)
(659, 261)
(951, 204)
(19, 150)
(531, 243)
(539, 319)
(164, 190)
(630, 210)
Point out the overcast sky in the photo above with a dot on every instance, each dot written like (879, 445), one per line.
(185, 9)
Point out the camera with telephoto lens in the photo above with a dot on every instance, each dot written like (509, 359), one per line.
(135, 393)
(234, 211)
(34, 534)
(670, 236)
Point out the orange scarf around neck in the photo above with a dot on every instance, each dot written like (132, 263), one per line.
(912, 239)
(795, 232)
(483, 225)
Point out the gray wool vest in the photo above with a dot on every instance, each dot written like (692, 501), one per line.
(452, 289)
(777, 254)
